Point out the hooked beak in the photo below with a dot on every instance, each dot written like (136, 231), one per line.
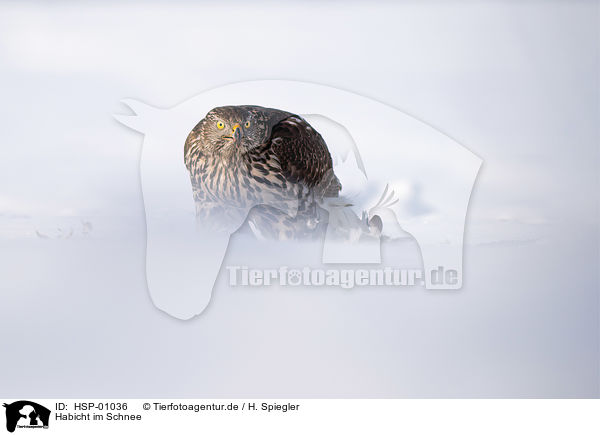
(237, 132)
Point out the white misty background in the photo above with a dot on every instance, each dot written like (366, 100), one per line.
(517, 84)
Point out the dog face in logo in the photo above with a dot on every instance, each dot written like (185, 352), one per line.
(30, 410)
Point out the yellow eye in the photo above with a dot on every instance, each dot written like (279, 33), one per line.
(220, 125)
(247, 124)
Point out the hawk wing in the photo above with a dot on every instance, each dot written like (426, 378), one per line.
(303, 156)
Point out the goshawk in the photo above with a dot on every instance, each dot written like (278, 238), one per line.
(266, 166)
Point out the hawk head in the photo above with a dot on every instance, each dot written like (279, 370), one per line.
(230, 129)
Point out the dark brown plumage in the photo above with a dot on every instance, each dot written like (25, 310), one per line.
(265, 164)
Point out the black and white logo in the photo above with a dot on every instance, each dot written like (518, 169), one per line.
(24, 414)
